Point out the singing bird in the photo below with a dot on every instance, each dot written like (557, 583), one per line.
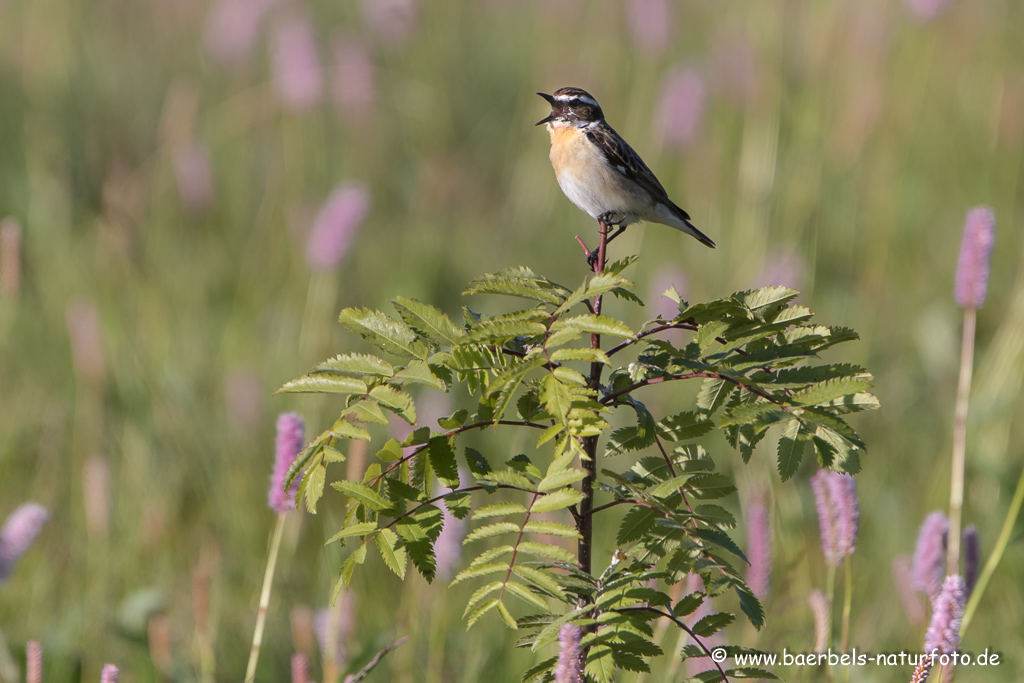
(600, 173)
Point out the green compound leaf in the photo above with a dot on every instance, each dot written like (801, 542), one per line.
(363, 494)
(791, 450)
(519, 282)
(601, 664)
(556, 480)
(558, 500)
(480, 611)
(555, 397)
(636, 523)
(473, 571)
(497, 331)
(491, 530)
(358, 529)
(546, 551)
(684, 426)
(428, 321)
(324, 383)
(481, 593)
(713, 393)
(384, 332)
(442, 457)
(587, 355)
(500, 510)
(525, 594)
(396, 401)
(356, 365)
(550, 529)
(311, 489)
(506, 616)
(831, 390)
(751, 606)
(343, 429)
(418, 535)
(713, 623)
(393, 554)
(596, 324)
(418, 372)
(366, 410)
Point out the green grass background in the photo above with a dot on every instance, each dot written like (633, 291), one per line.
(868, 137)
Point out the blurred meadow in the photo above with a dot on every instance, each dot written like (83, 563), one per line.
(173, 177)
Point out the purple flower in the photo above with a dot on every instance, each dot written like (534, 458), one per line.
(926, 10)
(650, 23)
(835, 496)
(110, 674)
(902, 576)
(782, 267)
(680, 107)
(759, 545)
(393, 21)
(943, 632)
(568, 669)
(448, 546)
(194, 176)
(20, 530)
(300, 669)
(10, 258)
(232, 28)
(930, 554)
(33, 662)
(975, 254)
(335, 226)
(843, 490)
(334, 625)
(290, 441)
(734, 67)
(87, 351)
(696, 665)
(822, 617)
(295, 64)
(355, 82)
(972, 557)
(243, 396)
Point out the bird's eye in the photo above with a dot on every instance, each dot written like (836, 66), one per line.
(575, 103)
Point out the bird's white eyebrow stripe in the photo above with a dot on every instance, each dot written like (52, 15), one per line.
(582, 98)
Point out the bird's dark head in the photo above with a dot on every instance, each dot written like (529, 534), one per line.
(571, 106)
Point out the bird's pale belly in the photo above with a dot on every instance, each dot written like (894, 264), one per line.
(592, 185)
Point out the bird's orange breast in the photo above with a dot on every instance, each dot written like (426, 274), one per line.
(569, 148)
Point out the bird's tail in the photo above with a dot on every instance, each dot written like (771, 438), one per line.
(684, 224)
(691, 229)
(672, 215)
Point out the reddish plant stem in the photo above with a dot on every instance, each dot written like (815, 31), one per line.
(585, 523)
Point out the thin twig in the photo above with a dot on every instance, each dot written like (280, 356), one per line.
(465, 428)
(355, 678)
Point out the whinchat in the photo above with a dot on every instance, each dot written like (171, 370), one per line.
(600, 173)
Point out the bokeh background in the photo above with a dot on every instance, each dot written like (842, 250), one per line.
(191, 190)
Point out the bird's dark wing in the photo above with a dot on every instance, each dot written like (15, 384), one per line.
(626, 161)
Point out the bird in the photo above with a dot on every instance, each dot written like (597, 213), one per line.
(600, 173)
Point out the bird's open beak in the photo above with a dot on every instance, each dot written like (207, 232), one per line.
(553, 114)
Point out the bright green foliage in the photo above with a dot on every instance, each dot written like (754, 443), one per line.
(752, 354)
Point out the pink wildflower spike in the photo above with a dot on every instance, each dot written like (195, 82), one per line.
(18, 534)
(975, 254)
(290, 441)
